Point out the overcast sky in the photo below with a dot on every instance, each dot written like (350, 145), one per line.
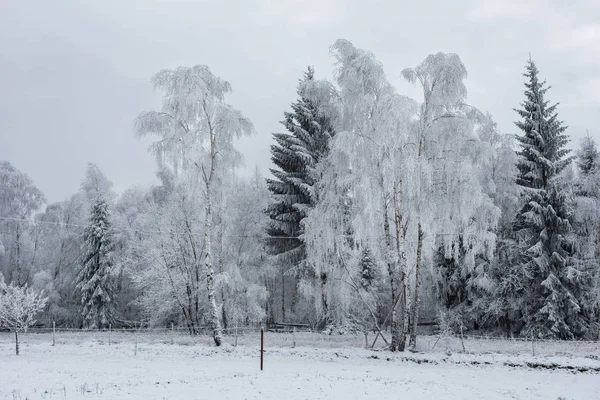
(74, 74)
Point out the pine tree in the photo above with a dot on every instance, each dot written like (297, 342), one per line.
(544, 281)
(588, 156)
(294, 155)
(94, 280)
(368, 269)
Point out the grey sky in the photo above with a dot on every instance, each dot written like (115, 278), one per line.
(74, 74)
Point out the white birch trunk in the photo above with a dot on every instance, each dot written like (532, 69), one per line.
(208, 230)
(417, 297)
(401, 261)
(210, 286)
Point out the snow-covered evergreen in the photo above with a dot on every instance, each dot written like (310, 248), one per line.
(295, 156)
(543, 281)
(367, 267)
(95, 280)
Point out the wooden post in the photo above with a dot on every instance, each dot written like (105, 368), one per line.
(262, 336)
(135, 334)
(53, 333)
(532, 345)
(17, 344)
(172, 334)
(109, 329)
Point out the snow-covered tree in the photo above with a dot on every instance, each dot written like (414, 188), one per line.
(371, 124)
(167, 256)
(586, 224)
(295, 156)
(96, 186)
(588, 157)
(465, 286)
(242, 257)
(497, 168)
(59, 250)
(445, 196)
(330, 248)
(19, 199)
(58, 235)
(197, 129)
(95, 280)
(367, 267)
(18, 307)
(409, 172)
(543, 283)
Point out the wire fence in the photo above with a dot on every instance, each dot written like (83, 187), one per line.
(291, 338)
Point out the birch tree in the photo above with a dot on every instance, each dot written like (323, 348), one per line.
(197, 129)
(372, 124)
(446, 198)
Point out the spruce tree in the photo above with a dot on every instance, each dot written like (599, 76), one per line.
(588, 164)
(94, 280)
(368, 268)
(294, 155)
(543, 279)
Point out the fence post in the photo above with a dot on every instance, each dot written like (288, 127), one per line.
(262, 335)
(109, 329)
(533, 345)
(172, 334)
(294, 338)
(136, 339)
(53, 333)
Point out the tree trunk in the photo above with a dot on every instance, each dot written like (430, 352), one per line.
(221, 271)
(391, 272)
(210, 286)
(324, 306)
(400, 232)
(17, 341)
(417, 296)
(282, 296)
(405, 300)
(394, 322)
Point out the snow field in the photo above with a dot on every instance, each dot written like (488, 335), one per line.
(91, 369)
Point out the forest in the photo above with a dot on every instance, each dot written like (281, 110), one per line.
(380, 212)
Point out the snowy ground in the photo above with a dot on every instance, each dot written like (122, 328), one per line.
(92, 369)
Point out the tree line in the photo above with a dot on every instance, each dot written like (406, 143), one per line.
(380, 211)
